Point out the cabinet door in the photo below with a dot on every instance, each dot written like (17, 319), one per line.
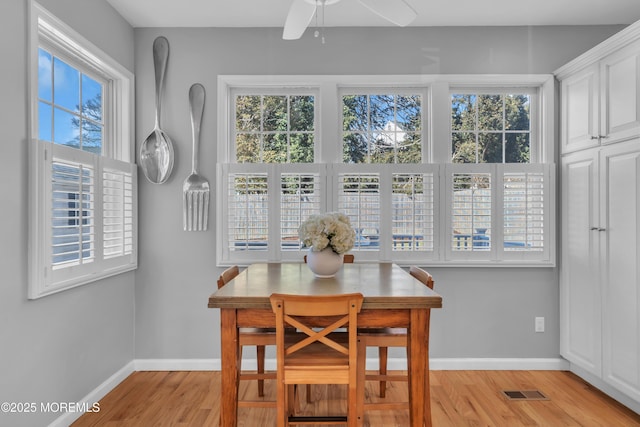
(620, 82)
(580, 290)
(580, 115)
(620, 170)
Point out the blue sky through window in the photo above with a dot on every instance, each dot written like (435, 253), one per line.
(70, 107)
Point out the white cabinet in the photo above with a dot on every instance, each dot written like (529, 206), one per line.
(579, 95)
(600, 211)
(580, 291)
(600, 103)
(620, 265)
(600, 272)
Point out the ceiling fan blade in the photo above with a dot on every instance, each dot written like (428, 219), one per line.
(298, 19)
(396, 11)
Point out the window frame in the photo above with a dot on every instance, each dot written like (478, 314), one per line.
(436, 158)
(48, 32)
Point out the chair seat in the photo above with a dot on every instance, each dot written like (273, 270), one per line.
(382, 331)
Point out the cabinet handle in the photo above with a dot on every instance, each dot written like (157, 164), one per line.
(603, 136)
(594, 228)
(602, 229)
(594, 137)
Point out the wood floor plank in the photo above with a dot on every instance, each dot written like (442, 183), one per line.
(458, 399)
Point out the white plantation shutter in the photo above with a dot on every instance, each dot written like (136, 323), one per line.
(526, 218)
(499, 212)
(493, 213)
(359, 199)
(413, 213)
(73, 231)
(244, 222)
(300, 196)
(89, 212)
(470, 204)
(118, 208)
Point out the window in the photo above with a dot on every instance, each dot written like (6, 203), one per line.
(491, 127)
(83, 186)
(382, 128)
(274, 128)
(428, 169)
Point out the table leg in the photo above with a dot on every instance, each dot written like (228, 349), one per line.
(230, 366)
(418, 364)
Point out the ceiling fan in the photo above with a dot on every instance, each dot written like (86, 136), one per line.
(302, 11)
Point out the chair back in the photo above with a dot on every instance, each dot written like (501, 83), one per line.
(228, 275)
(422, 275)
(347, 259)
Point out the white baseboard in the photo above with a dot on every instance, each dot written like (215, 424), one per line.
(499, 364)
(98, 393)
(436, 364)
(182, 365)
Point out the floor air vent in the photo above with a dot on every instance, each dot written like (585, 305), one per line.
(524, 395)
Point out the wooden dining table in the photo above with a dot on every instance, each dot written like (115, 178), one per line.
(392, 298)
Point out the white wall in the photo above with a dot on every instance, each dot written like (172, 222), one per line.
(488, 312)
(61, 347)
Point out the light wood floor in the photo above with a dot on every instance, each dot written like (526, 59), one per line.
(458, 398)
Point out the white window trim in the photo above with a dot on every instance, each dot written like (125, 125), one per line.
(47, 30)
(437, 155)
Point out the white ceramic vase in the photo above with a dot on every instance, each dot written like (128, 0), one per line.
(324, 263)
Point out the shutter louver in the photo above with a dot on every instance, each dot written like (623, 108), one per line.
(248, 211)
(117, 199)
(359, 199)
(300, 195)
(471, 212)
(413, 212)
(72, 213)
(523, 211)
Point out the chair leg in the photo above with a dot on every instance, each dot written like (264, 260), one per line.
(292, 400)
(360, 381)
(281, 407)
(260, 354)
(382, 357)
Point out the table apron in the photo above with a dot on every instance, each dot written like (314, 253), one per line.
(369, 318)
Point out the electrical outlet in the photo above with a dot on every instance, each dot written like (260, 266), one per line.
(539, 324)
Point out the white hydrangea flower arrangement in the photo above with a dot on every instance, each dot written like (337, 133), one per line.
(332, 229)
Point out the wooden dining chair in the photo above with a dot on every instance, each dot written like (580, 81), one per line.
(383, 338)
(318, 358)
(260, 337)
(347, 259)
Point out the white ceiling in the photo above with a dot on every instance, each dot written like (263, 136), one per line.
(272, 13)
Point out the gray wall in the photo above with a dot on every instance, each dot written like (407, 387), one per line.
(61, 347)
(488, 312)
